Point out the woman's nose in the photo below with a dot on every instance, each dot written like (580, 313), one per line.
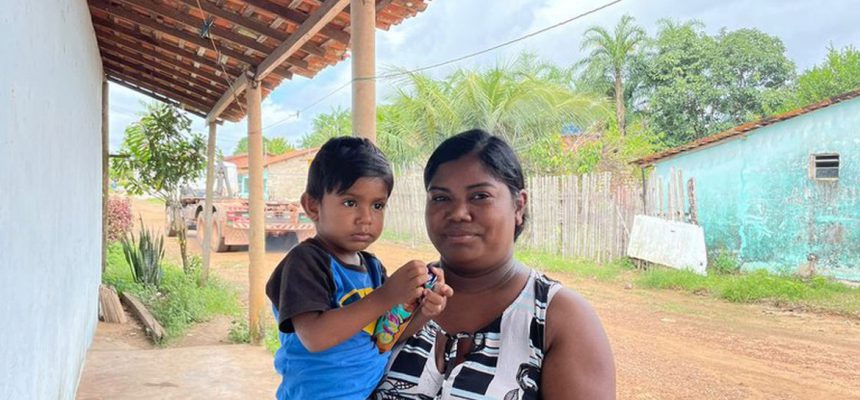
(459, 211)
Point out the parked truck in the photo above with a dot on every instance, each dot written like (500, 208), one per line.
(231, 217)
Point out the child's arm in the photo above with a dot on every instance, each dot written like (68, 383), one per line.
(320, 331)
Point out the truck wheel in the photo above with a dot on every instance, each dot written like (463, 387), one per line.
(169, 229)
(217, 243)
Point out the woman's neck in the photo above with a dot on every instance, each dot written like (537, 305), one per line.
(472, 283)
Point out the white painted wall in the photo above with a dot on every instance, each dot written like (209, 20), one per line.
(50, 195)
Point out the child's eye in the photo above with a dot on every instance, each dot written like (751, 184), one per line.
(350, 203)
(438, 198)
(379, 206)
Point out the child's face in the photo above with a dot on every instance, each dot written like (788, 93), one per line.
(350, 221)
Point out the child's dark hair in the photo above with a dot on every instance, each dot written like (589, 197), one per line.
(497, 157)
(343, 160)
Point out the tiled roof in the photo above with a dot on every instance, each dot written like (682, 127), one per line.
(745, 128)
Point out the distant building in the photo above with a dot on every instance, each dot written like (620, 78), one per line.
(781, 193)
(284, 176)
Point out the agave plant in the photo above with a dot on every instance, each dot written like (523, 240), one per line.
(144, 257)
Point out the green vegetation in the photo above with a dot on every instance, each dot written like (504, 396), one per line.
(274, 146)
(159, 155)
(144, 256)
(179, 301)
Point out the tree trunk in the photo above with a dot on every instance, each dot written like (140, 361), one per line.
(181, 233)
(619, 102)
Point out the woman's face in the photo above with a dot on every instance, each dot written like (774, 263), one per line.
(471, 215)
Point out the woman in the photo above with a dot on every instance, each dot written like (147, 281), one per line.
(508, 332)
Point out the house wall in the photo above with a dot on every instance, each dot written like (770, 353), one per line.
(756, 199)
(50, 196)
(287, 180)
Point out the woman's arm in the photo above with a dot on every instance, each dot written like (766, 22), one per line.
(578, 362)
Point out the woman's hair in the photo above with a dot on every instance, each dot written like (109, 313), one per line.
(497, 157)
(343, 160)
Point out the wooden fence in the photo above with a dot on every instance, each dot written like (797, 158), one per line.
(587, 216)
(669, 197)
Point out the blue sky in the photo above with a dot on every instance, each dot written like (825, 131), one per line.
(452, 28)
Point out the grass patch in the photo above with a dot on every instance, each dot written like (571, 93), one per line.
(818, 293)
(582, 268)
(179, 302)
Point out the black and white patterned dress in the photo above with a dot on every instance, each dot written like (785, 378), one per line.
(504, 363)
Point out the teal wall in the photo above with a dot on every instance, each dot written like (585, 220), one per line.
(756, 199)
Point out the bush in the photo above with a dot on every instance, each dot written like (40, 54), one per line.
(144, 257)
(724, 262)
(118, 218)
(179, 302)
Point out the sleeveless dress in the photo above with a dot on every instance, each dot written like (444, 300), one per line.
(504, 363)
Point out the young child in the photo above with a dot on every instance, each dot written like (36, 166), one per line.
(328, 293)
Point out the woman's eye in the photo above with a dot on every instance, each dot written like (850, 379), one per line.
(379, 206)
(350, 203)
(438, 198)
(480, 196)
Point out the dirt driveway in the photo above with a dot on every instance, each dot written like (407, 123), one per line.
(667, 345)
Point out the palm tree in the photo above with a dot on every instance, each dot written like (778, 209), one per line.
(611, 53)
(525, 102)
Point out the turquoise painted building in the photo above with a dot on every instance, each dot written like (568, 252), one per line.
(782, 193)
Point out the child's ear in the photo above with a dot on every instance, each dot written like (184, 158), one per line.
(311, 206)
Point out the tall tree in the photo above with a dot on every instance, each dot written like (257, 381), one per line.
(697, 84)
(837, 74)
(336, 123)
(158, 156)
(611, 54)
(273, 146)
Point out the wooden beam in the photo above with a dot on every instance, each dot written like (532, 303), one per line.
(196, 23)
(231, 94)
(105, 167)
(142, 89)
(257, 209)
(315, 23)
(298, 18)
(154, 73)
(186, 53)
(210, 82)
(207, 203)
(156, 87)
(363, 23)
(151, 23)
(309, 28)
(181, 64)
(252, 25)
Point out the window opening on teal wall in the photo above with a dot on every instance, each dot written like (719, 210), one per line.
(825, 166)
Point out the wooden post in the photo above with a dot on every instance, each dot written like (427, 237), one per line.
(363, 23)
(691, 192)
(105, 167)
(257, 233)
(207, 204)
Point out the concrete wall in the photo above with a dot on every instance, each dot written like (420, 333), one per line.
(287, 180)
(755, 196)
(50, 196)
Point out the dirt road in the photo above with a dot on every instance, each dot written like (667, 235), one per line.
(667, 345)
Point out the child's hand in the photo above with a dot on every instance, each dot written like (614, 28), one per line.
(406, 285)
(434, 301)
